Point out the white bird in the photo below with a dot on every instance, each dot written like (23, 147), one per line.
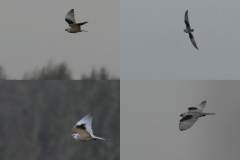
(84, 129)
(189, 30)
(190, 117)
(73, 26)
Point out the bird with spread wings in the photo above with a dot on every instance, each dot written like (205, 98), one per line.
(84, 129)
(190, 117)
(189, 30)
(73, 26)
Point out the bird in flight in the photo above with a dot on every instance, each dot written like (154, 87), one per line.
(84, 129)
(190, 117)
(189, 30)
(73, 26)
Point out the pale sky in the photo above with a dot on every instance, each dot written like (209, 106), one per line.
(154, 46)
(150, 114)
(33, 33)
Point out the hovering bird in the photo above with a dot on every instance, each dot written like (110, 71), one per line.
(73, 26)
(84, 129)
(190, 117)
(189, 30)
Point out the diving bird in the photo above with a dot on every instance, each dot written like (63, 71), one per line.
(84, 129)
(73, 26)
(190, 117)
(189, 30)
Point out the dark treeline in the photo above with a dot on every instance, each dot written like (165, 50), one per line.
(60, 72)
(36, 118)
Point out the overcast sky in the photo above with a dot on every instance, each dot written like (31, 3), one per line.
(33, 33)
(154, 46)
(150, 114)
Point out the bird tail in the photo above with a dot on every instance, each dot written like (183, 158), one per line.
(80, 24)
(192, 30)
(208, 114)
(95, 137)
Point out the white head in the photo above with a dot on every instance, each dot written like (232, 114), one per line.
(75, 136)
(184, 114)
(68, 29)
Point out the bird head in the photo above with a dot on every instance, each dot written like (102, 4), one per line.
(74, 136)
(67, 29)
(183, 114)
(185, 30)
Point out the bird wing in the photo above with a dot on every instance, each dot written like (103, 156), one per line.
(186, 19)
(201, 106)
(70, 17)
(192, 108)
(85, 123)
(188, 121)
(81, 131)
(192, 40)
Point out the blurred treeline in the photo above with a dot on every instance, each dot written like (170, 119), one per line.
(60, 72)
(36, 118)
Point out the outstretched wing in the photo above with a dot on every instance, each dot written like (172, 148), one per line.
(202, 105)
(85, 123)
(192, 40)
(199, 107)
(70, 17)
(186, 19)
(188, 121)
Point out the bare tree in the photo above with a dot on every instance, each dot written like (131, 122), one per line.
(50, 72)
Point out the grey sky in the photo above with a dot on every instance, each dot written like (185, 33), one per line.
(154, 46)
(150, 116)
(33, 33)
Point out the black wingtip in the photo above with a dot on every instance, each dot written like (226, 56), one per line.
(186, 13)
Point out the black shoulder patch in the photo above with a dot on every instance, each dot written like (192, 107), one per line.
(192, 108)
(82, 126)
(186, 118)
(69, 21)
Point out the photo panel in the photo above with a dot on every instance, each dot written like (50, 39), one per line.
(154, 45)
(36, 41)
(54, 120)
(152, 119)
